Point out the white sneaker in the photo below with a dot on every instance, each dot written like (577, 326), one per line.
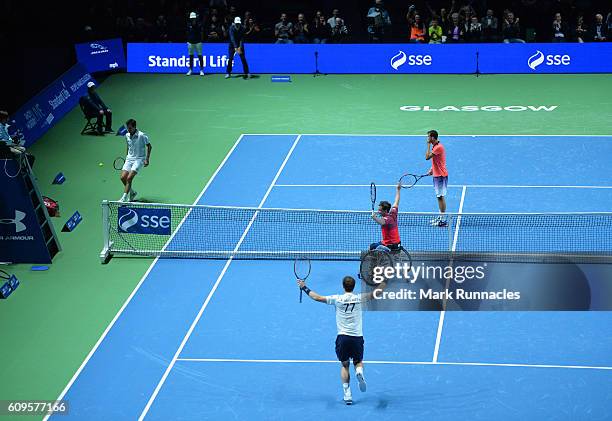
(362, 382)
(434, 222)
(227, 76)
(201, 73)
(124, 198)
(348, 397)
(189, 73)
(132, 194)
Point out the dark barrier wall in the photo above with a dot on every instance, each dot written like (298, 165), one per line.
(383, 58)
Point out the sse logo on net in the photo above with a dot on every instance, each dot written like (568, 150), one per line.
(144, 221)
(548, 60)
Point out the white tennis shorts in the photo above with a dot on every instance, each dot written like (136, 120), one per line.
(133, 164)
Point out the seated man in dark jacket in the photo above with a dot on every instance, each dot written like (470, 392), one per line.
(95, 107)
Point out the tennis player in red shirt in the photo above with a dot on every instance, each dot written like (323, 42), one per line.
(437, 154)
(387, 219)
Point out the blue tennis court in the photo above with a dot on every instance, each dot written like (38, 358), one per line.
(227, 339)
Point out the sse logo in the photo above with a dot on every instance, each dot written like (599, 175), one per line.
(144, 221)
(401, 58)
(549, 60)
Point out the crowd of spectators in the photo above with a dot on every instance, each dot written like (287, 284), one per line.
(423, 22)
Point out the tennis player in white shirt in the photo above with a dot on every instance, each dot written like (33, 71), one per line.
(138, 155)
(349, 342)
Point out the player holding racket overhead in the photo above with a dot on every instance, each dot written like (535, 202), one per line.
(387, 219)
(437, 154)
(136, 158)
(349, 342)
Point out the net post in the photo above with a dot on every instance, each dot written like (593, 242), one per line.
(105, 253)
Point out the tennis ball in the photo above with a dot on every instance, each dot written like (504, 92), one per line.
(101, 164)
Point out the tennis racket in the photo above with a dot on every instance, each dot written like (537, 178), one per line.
(118, 163)
(301, 269)
(409, 180)
(373, 194)
(370, 261)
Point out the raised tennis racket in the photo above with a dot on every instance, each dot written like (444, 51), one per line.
(372, 266)
(409, 180)
(301, 269)
(373, 194)
(118, 163)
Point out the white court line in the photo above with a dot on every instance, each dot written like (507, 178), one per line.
(471, 186)
(235, 360)
(423, 135)
(453, 248)
(215, 286)
(135, 290)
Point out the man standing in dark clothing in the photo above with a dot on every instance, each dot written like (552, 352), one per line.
(95, 107)
(195, 34)
(236, 46)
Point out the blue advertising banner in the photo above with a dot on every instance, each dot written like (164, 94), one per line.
(300, 58)
(546, 58)
(98, 56)
(21, 239)
(44, 110)
(382, 58)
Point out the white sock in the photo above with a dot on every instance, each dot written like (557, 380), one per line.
(346, 386)
(359, 370)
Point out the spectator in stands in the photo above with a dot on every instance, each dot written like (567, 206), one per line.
(283, 30)
(333, 20)
(435, 32)
(218, 4)
(95, 107)
(600, 30)
(473, 30)
(490, 27)
(379, 22)
(444, 19)
(236, 46)
(252, 31)
(465, 13)
(141, 30)
(581, 31)
(125, 26)
(321, 32)
(454, 33)
(560, 31)
(339, 32)
(160, 31)
(316, 17)
(418, 31)
(511, 30)
(195, 36)
(301, 31)
(215, 30)
(247, 15)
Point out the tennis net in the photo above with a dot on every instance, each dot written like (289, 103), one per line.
(220, 232)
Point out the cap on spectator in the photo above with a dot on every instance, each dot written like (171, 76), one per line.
(237, 20)
(193, 15)
(90, 84)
